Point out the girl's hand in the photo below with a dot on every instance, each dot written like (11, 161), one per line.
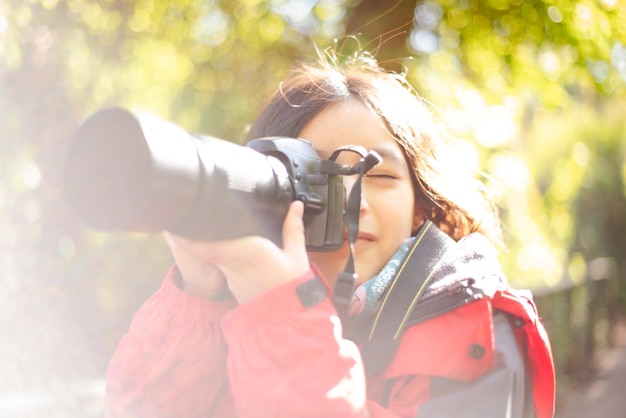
(201, 278)
(251, 265)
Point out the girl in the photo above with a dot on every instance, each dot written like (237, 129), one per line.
(245, 328)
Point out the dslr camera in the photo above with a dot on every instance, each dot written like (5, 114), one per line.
(133, 172)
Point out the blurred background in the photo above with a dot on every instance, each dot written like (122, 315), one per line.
(534, 90)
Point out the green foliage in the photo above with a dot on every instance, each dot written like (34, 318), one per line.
(574, 201)
(556, 49)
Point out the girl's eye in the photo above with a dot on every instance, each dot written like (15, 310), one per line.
(381, 176)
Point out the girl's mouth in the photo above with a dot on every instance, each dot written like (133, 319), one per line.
(362, 238)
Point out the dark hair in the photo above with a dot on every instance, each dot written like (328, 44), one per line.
(454, 202)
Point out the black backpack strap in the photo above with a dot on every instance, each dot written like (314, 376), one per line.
(404, 292)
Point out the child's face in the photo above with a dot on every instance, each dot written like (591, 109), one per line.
(388, 211)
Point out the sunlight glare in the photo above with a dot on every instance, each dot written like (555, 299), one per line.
(31, 175)
(496, 128)
(537, 256)
(4, 25)
(511, 170)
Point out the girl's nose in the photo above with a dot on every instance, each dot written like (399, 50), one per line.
(365, 207)
(349, 182)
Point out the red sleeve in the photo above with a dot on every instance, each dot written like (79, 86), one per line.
(172, 361)
(287, 357)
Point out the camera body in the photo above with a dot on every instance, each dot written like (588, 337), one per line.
(323, 194)
(128, 171)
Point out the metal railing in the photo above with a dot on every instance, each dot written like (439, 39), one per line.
(580, 317)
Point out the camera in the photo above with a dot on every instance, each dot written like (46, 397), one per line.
(134, 172)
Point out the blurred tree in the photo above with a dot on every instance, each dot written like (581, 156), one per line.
(553, 50)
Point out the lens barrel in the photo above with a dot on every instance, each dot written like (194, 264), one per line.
(134, 172)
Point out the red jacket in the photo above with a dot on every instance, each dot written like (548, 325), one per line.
(184, 357)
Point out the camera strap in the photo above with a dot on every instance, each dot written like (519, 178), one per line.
(403, 294)
(344, 287)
